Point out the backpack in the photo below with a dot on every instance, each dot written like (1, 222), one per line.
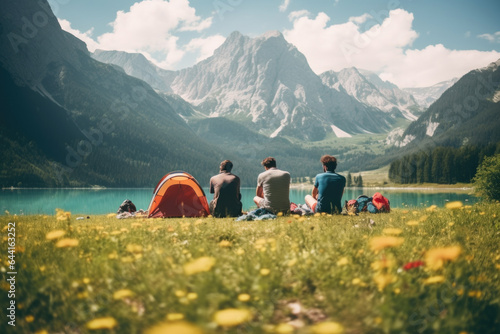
(363, 201)
(381, 203)
(127, 206)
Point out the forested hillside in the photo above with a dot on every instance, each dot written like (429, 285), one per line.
(446, 165)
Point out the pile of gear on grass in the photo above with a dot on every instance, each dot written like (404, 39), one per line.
(128, 210)
(375, 204)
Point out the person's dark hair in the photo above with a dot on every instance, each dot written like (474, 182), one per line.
(330, 162)
(226, 165)
(269, 162)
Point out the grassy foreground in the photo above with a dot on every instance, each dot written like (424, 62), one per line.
(318, 274)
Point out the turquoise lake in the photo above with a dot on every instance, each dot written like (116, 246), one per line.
(101, 201)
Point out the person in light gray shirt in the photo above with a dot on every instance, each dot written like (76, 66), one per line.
(273, 188)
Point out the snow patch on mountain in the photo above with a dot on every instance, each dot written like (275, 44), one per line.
(431, 128)
(339, 132)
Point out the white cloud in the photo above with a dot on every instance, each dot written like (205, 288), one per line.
(382, 45)
(84, 36)
(206, 46)
(151, 27)
(360, 19)
(297, 14)
(284, 5)
(493, 38)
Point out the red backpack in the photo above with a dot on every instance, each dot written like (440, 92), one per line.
(381, 203)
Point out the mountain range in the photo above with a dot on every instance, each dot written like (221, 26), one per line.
(115, 119)
(266, 84)
(239, 91)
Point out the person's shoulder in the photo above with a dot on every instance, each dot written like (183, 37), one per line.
(320, 175)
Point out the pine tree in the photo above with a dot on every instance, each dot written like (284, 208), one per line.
(349, 180)
(360, 181)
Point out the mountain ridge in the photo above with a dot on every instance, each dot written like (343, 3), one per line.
(94, 124)
(266, 83)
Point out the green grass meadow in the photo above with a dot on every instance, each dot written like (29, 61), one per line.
(319, 274)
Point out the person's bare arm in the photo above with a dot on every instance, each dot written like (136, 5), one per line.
(315, 193)
(260, 191)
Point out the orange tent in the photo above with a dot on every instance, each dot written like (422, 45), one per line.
(178, 194)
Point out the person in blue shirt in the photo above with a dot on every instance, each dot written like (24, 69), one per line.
(328, 188)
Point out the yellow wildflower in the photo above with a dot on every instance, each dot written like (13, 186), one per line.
(133, 248)
(392, 231)
(62, 215)
(232, 317)
(82, 295)
(86, 280)
(123, 293)
(435, 257)
(127, 259)
(240, 251)
(342, 261)
(475, 293)
(412, 223)
(204, 263)
(382, 280)
(54, 234)
(29, 318)
(102, 323)
(177, 327)
(264, 272)
(379, 243)
(328, 327)
(175, 316)
(434, 280)
(386, 262)
(454, 205)
(43, 331)
(244, 297)
(225, 243)
(432, 208)
(180, 293)
(63, 243)
(192, 296)
(284, 329)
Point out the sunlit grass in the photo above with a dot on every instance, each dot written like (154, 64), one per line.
(292, 275)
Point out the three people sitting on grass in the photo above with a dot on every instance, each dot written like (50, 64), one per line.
(273, 189)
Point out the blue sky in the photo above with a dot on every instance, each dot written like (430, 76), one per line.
(409, 42)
